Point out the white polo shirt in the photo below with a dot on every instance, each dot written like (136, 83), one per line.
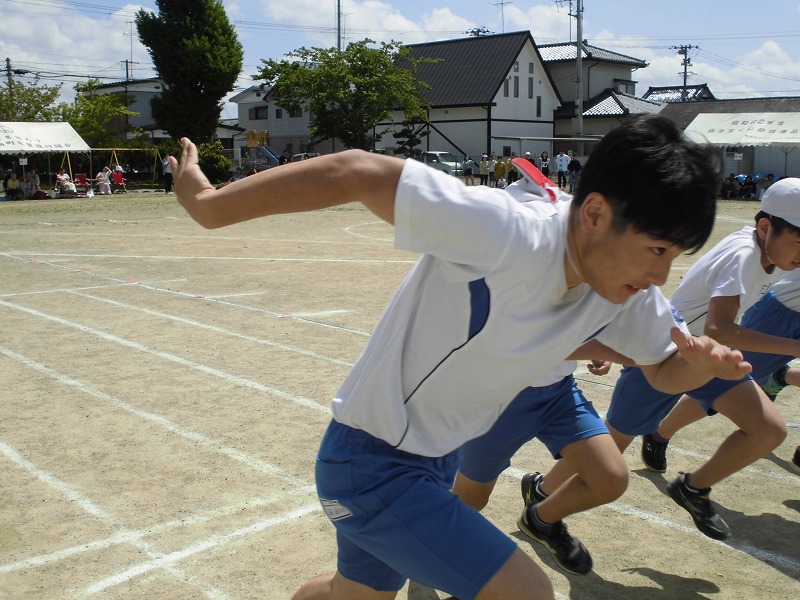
(484, 314)
(731, 268)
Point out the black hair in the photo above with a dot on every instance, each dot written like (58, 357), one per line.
(778, 225)
(656, 180)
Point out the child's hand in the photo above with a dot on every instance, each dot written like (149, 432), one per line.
(706, 354)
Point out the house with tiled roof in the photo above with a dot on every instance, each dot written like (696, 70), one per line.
(608, 91)
(487, 94)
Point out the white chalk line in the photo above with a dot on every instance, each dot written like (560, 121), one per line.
(267, 259)
(784, 561)
(353, 230)
(195, 296)
(216, 329)
(202, 546)
(73, 496)
(129, 536)
(210, 443)
(236, 379)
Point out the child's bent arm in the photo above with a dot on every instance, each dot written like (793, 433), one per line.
(308, 185)
(721, 325)
(697, 361)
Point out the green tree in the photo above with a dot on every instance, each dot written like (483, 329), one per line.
(97, 118)
(348, 92)
(198, 58)
(21, 102)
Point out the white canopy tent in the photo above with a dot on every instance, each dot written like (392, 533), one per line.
(778, 130)
(23, 138)
(32, 138)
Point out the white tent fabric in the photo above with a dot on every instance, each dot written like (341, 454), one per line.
(746, 129)
(31, 138)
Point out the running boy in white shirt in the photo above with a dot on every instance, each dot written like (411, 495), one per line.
(504, 293)
(711, 297)
(777, 314)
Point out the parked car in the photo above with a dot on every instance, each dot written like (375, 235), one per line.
(443, 161)
(304, 156)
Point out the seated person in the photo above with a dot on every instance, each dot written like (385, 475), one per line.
(103, 179)
(747, 191)
(14, 187)
(729, 189)
(763, 184)
(65, 184)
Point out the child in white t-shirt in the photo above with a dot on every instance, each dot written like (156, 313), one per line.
(506, 290)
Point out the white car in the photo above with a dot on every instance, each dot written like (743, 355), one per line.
(304, 156)
(443, 161)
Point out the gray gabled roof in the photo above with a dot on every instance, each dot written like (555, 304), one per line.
(566, 52)
(472, 69)
(677, 93)
(611, 103)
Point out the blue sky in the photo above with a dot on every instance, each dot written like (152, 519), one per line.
(742, 49)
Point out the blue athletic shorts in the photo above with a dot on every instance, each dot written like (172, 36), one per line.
(396, 517)
(769, 315)
(637, 408)
(557, 414)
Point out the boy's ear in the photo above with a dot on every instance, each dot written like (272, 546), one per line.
(595, 213)
(762, 227)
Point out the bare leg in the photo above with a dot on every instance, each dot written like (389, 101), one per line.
(473, 493)
(792, 377)
(685, 412)
(761, 430)
(602, 477)
(335, 586)
(563, 470)
(519, 578)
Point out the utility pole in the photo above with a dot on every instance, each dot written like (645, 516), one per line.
(579, 64)
(339, 25)
(8, 73)
(684, 51)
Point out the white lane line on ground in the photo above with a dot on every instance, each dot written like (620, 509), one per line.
(216, 329)
(307, 259)
(352, 230)
(236, 379)
(786, 562)
(89, 506)
(210, 443)
(130, 536)
(202, 546)
(195, 296)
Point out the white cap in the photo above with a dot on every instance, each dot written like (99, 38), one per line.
(527, 154)
(782, 199)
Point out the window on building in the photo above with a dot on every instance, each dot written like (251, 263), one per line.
(516, 86)
(258, 113)
(530, 68)
(530, 87)
(538, 106)
(278, 113)
(294, 114)
(625, 87)
(516, 66)
(505, 88)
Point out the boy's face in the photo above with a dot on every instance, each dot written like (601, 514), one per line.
(620, 264)
(782, 250)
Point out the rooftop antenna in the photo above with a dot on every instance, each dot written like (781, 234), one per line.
(502, 4)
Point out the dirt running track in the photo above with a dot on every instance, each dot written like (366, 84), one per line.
(163, 390)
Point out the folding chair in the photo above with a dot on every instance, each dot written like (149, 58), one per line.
(119, 182)
(82, 184)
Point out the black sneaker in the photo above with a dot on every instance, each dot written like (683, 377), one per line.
(530, 495)
(654, 454)
(700, 507)
(796, 458)
(569, 553)
(775, 383)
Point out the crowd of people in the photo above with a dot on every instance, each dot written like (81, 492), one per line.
(497, 171)
(745, 187)
(25, 188)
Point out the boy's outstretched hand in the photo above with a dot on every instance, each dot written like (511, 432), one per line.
(189, 182)
(709, 356)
